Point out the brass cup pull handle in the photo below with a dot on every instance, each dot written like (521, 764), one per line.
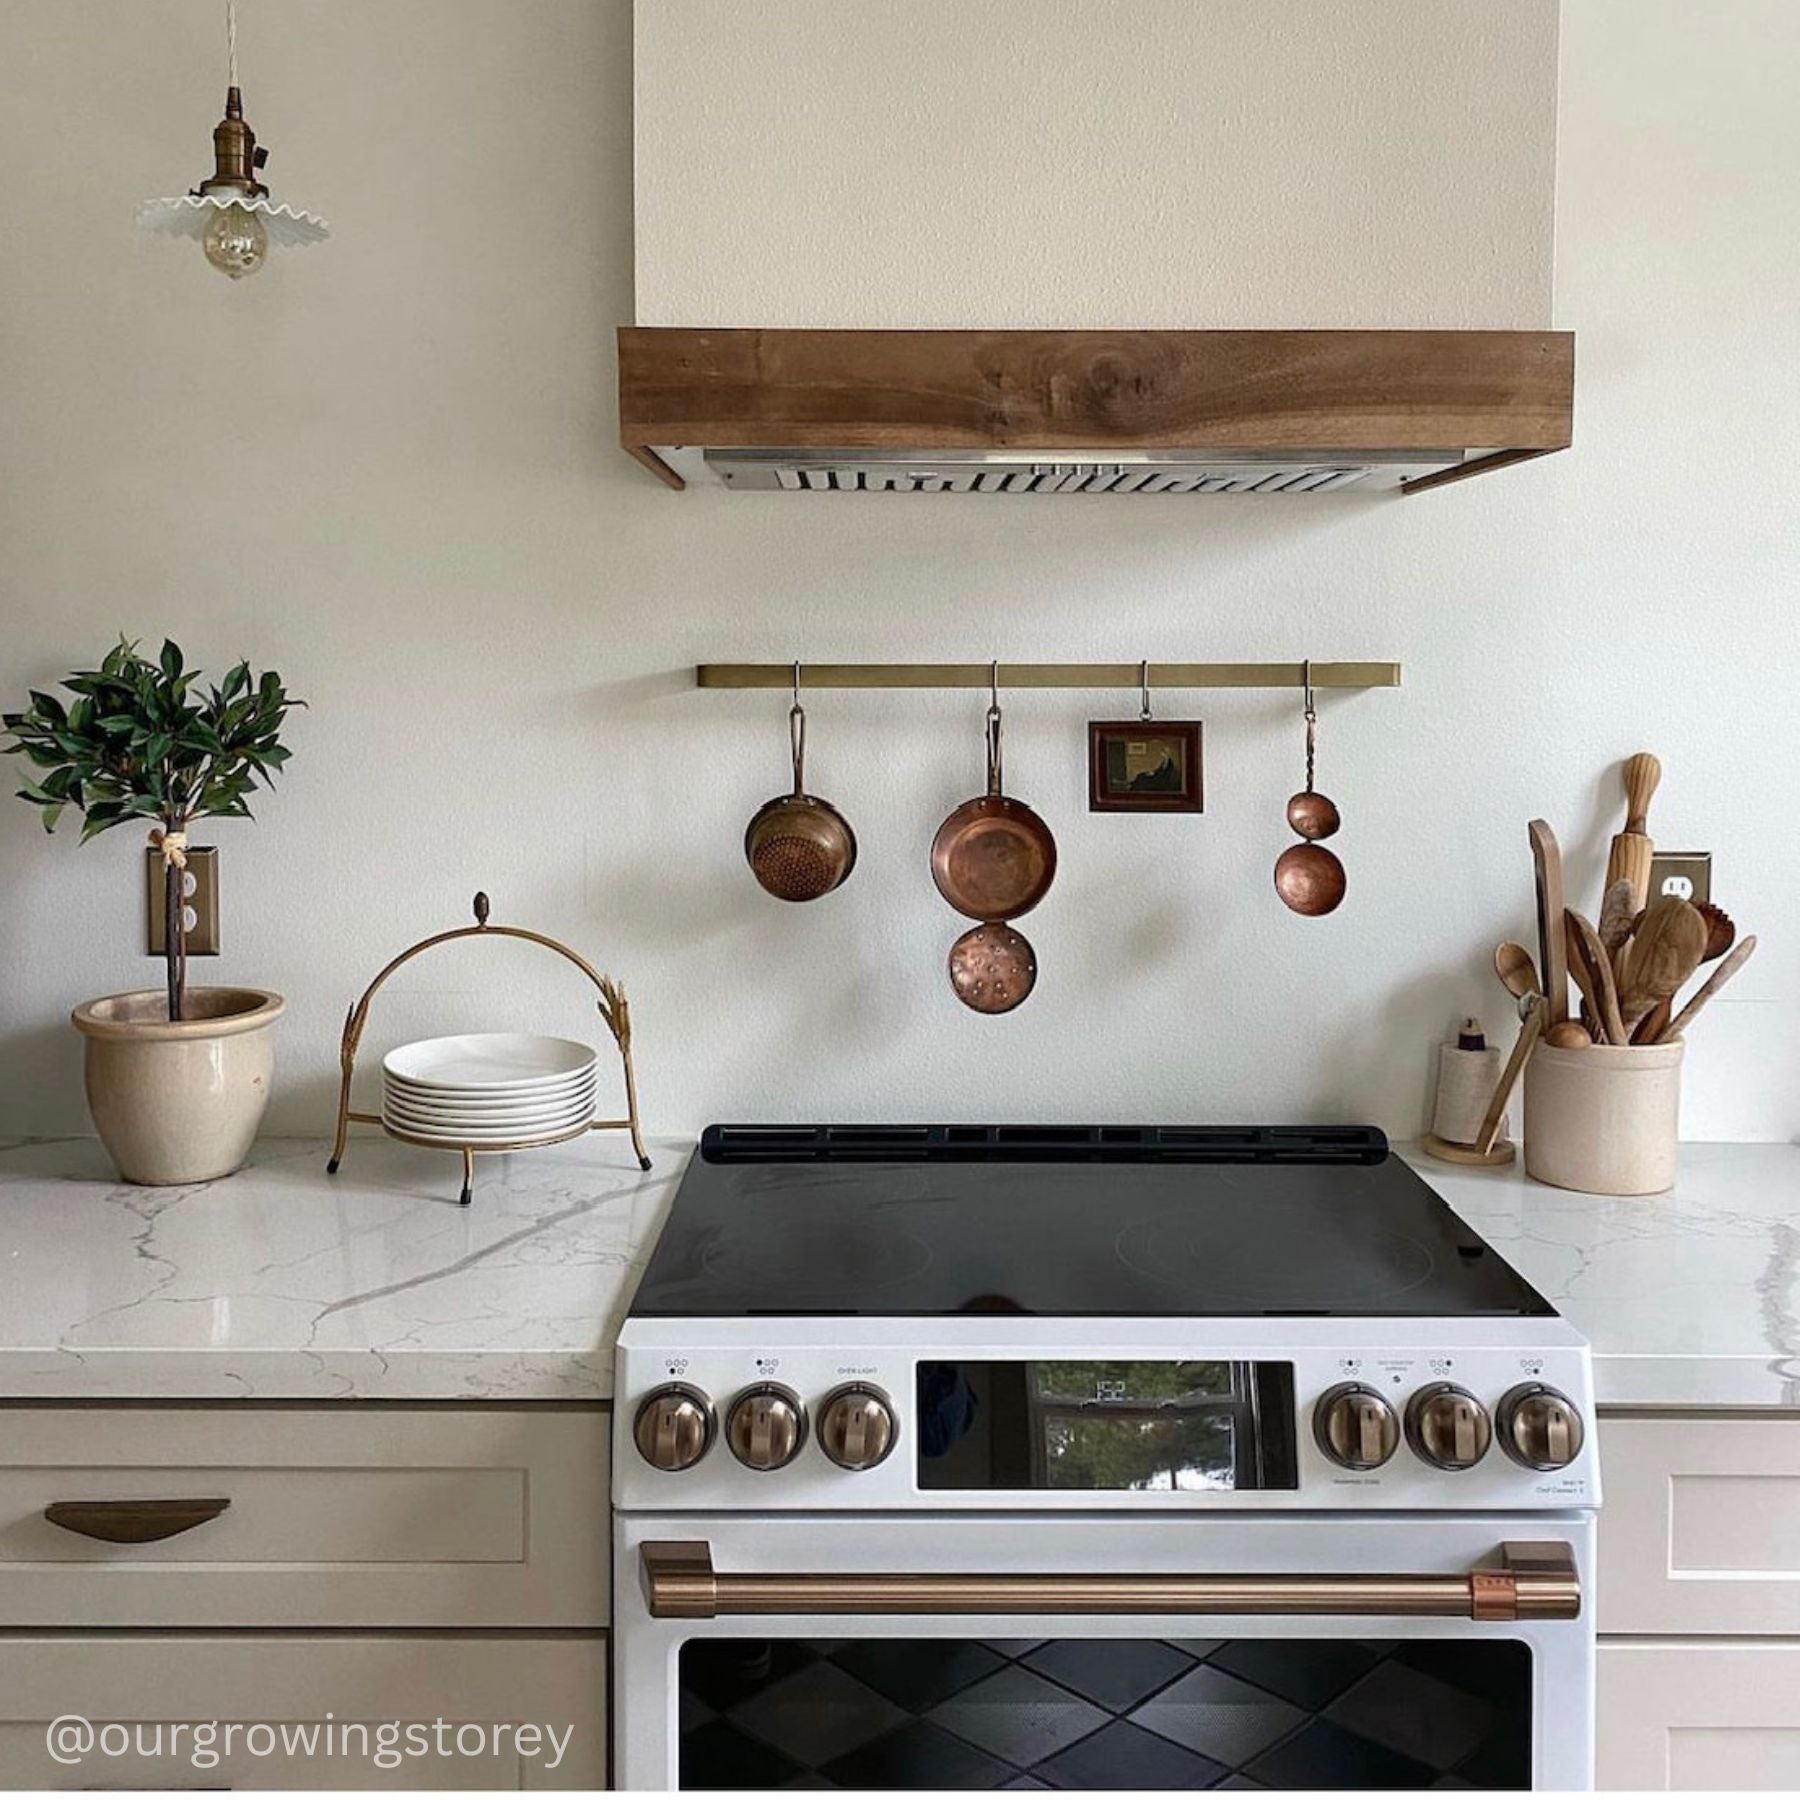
(1526, 1581)
(132, 1521)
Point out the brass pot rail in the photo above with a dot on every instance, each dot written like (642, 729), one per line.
(1530, 1581)
(1048, 675)
(612, 1006)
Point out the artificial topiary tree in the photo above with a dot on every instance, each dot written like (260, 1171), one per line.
(140, 741)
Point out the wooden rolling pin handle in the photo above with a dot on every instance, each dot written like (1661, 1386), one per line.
(1642, 773)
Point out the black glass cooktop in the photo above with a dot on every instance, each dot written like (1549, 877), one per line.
(1152, 1221)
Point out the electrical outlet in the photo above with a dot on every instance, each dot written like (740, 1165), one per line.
(200, 890)
(1686, 874)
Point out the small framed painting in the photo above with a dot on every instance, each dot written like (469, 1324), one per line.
(1145, 765)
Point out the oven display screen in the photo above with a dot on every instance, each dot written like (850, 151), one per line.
(1106, 1427)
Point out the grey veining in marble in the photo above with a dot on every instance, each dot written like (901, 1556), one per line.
(285, 1283)
(1690, 1298)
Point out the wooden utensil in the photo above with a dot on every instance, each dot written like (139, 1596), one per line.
(1617, 910)
(1664, 951)
(1546, 857)
(1632, 848)
(1485, 1149)
(1592, 969)
(1570, 1034)
(1721, 934)
(1722, 974)
(1518, 973)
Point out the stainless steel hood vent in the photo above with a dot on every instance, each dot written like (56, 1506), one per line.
(995, 472)
(1088, 412)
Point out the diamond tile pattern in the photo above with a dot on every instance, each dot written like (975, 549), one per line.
(1075, 1713)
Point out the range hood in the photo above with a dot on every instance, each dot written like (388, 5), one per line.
(1089, 412)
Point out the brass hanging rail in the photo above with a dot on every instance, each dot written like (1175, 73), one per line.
(1048, 675)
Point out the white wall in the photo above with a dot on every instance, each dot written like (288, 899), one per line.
(1095, 162)
(387, 467)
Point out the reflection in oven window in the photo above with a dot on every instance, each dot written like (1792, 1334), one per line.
(911, 1713)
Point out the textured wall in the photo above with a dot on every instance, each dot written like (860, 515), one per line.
(386, 466)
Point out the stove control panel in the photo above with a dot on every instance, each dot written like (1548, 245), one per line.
(1152, 1415)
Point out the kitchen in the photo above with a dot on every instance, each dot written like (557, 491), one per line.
(389, 466)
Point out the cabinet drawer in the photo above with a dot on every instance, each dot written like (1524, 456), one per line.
(1701, 1527)
(141, 1687)
(1692, 1715)
(337, 1516)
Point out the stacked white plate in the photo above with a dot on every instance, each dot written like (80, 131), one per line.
(490, 1087)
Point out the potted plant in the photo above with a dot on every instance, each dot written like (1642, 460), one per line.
(177, 1077)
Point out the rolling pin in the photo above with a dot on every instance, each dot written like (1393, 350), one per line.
(1632, 848)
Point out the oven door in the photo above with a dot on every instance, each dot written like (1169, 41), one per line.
(1098, 1652)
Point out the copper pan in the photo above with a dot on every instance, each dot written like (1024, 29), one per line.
(993, 968)
(799, 847)
(993, 858)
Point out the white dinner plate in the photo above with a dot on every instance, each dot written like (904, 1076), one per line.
(514, 1127)
(477, 1106)
(511, 1134)
(488, 1062)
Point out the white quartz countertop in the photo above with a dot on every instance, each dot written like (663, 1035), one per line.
(285, 1283)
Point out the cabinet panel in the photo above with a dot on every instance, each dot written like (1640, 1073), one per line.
(338, 1516)
(1691, 1715)
(1701, 1527)
(136, 1690)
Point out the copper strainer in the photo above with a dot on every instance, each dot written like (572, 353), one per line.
(799, 847)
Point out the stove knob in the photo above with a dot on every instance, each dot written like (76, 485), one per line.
(1355, 1427)
(674, 1427)
(1539, 1427)
(857, 1427)
(1448, 1427)
(766, 1426)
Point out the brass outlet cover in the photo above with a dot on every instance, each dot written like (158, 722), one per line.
(1687, 874)
(202, 885)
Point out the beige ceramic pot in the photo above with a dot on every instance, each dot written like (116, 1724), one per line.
(1604, 1119)
(181, 1101)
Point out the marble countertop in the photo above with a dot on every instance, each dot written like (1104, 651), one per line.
(284, 1283)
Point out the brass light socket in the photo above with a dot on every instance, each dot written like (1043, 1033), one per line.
(236, 154)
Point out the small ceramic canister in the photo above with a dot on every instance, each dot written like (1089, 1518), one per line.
(1604, 1119)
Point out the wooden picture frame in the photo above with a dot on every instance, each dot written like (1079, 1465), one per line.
(1146, 765)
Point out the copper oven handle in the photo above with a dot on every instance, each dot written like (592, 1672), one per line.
(132, 1521)
(1528, 1581)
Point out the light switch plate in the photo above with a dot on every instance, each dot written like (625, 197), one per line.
(1687, 874)
(201, 885)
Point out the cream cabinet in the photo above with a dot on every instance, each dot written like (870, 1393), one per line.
(1699, 1601)
(355, 1566)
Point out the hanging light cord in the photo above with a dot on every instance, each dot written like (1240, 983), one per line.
(231, 42)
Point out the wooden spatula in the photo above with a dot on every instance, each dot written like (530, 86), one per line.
(1632, 848)
(1664, 951)
(1553, 962)
(1592, 969)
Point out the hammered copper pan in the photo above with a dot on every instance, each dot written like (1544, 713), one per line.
(993, 858)
(799, 847)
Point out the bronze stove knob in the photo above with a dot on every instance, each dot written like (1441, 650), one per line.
(857, 1427)
(674, 1427)
(1448, 1427)
(766, 1426)
(1539, 1427)
(1355, 1427)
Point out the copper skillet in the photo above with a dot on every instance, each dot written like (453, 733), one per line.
(993, 859)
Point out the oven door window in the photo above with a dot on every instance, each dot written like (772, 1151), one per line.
(1283, 1713)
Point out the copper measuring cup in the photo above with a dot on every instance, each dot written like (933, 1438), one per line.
(799, 847)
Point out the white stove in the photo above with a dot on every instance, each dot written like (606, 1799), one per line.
(1251, 1409)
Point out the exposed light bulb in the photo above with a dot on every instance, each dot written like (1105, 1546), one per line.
(236, 242)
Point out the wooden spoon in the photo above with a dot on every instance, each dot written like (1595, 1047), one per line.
(1518, 973)
(1722, 974)
(1665, 950)
(1568, 1034)
(1592, 969)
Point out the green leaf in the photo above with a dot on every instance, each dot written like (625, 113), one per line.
(171, 659)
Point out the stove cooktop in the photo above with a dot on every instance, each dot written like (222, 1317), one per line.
(1076, 1222)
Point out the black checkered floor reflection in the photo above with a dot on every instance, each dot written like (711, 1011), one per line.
(1105, 1713)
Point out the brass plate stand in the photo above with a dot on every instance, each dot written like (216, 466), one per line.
(613, 1009)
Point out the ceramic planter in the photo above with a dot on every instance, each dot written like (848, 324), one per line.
(179, 1101)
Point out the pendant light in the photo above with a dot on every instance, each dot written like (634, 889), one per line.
(230, 212)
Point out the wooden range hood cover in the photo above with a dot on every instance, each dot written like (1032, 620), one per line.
(1091, 411)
